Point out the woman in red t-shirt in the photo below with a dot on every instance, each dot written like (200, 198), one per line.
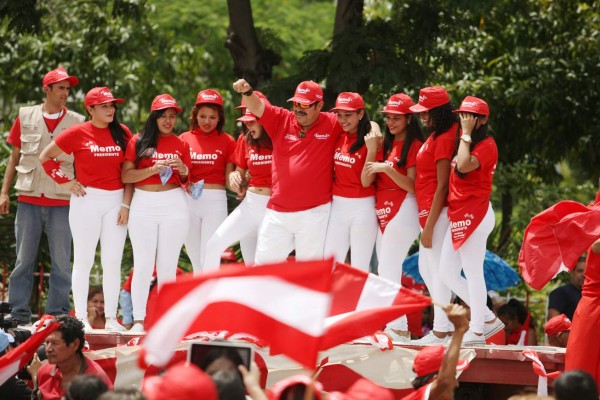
(253, 155)
(352, 220)
(431, 189)
(158, 162)
(396, 205)
(211, 150)
(99, 205)
(471, 218)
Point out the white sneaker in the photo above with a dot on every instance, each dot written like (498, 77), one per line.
(471, 340)
(113, 325)
(397, 337)
(430, 338)
(491, 328)
(137, 328)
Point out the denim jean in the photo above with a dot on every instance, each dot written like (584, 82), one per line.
(126, 307)
(30, 222)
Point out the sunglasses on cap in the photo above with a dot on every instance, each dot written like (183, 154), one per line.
(304, 106)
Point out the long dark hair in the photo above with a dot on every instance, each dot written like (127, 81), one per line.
(476, 137)
(364, 127)
(442, 118)
(413, 131)
(148, 139)
(217, 108)
(263, 141)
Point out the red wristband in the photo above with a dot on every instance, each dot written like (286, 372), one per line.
(52, 168)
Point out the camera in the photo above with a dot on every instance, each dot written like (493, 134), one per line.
(6, 308)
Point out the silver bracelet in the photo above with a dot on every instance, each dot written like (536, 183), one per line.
(125, 205)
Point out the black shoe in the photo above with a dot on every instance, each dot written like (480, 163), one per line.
(11, 321)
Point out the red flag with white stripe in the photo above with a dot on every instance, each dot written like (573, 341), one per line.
(284, 304)
(364, 303)
(555, 239)
(17, 358)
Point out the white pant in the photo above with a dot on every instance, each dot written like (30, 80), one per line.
(393, 245)
(469, 257)
(206, 214)
(429, 268)
(281, 232)
(94, 217)
(242, 224)
(352, 224)
(158, 225)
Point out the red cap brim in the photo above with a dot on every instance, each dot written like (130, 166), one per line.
(418, 108)
(301, 100)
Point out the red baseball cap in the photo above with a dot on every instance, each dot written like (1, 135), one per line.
(100, 95)
(209, 96)
(431, 97)
(558, 324)
(398, 104)
(348, 101)
(182, 381)
(260, 96)
(363, 389)
(429, 360)
(247, 117)
(275, 392)
(473, 105)
(163, 101)
(57, 75)
(308, 92)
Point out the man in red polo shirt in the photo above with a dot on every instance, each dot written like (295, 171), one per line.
(43, 204)
(66, 360)
(303, 147)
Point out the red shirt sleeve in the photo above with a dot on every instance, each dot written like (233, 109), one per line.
(411, 159)
(486, 153)
(445, 145)
(14, 136)
(130, 152)
(240, 155)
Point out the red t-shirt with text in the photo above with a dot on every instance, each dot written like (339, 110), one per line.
(257, 161)
(209, 154)
(348, 167)
(433, 150)
(98, 159)
(167, 147)
(469, 196)
(302, 163)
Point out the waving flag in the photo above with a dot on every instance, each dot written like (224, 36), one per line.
(556, 238)
(364, 303)
(17, 358)
(284, 304)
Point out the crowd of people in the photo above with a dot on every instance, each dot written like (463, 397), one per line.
(315, 182)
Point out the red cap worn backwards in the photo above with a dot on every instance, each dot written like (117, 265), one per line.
(163, 101)
(429, 360)
(209, 96)
(308, 92)
(473, 105)
(57, 75)
(348, 101)
(431, 97)
(100, 95)
(398, 104)
(558, 324)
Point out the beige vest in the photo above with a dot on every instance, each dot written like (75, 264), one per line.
(31, 177)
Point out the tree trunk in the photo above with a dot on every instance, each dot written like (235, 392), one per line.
(250, 60)
(505, 226)
(348, 14)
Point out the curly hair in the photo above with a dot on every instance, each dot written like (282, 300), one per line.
(442, 118)
(71, 328)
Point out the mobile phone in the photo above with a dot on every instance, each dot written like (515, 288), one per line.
(213, 356)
